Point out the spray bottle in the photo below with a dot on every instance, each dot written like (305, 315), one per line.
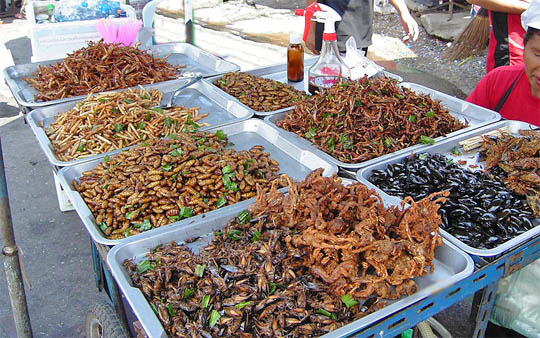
(330, 67)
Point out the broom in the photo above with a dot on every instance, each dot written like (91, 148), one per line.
(473, 40)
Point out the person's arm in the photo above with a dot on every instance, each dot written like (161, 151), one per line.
(310, 42)
(409, 24)
(504, 6)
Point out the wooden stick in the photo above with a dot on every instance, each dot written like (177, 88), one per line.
(476, 141)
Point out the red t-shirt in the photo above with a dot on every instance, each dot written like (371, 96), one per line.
(505, 40)
(521, 104)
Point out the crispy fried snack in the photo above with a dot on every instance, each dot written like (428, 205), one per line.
(356, 121)
(306, 264)
(259, 93)
(100, 67)
(115, 120)
(518, 158)
(166, 180)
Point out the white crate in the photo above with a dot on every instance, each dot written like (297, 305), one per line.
(55, 40)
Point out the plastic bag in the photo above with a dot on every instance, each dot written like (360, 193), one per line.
(359, 64)
(145, 37)
(517, 306)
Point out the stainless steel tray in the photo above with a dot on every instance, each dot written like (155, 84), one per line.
(194, 58)
(451, 266)
(279, 73)
(445, 147)
(293, 160)
(220, 109)
(462, 110)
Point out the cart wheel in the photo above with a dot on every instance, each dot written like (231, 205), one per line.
(102, 321)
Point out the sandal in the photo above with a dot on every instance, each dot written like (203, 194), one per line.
(19, 16)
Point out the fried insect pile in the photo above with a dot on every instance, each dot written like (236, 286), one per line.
(97, 68)
(305, 264)
(111, 121)
(258, 93)
(359, 120)
(164, 181)
(520, 163)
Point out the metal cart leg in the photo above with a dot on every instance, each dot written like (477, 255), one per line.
(98, 269)
(483, 305)
(116, 297)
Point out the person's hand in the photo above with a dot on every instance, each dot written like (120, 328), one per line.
(310, 42)
(410, 26)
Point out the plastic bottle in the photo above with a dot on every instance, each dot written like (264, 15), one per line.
(295, 58)
(330, 67)
(50, 10)
(115, 8)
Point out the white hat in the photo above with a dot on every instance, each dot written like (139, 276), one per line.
(531, 17)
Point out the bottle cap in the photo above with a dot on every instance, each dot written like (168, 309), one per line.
(295, 38)
(50, 7)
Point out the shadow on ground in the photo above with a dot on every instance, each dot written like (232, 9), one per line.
(7, 110)
(430, 81)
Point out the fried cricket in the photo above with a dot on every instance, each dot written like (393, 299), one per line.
(360, 120)
(100, 67)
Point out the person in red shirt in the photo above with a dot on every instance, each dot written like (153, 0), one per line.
(506, 35)
(514, 91)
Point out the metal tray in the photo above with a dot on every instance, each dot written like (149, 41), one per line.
(202, 94)
(462, 110)
(279, 73)
(293, 160)
(451, 266)
(195, 59)
(445, 147)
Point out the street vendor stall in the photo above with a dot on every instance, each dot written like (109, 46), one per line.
(246, 208)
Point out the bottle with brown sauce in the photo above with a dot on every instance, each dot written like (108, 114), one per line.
(295, 58)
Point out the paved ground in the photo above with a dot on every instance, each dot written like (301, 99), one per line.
(55, 245)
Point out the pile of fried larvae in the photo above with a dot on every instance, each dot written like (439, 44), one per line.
(300, 264)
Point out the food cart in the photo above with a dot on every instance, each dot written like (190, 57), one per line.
(460, 271)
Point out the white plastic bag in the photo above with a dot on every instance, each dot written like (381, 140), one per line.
(517, 306)
(359, 64)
